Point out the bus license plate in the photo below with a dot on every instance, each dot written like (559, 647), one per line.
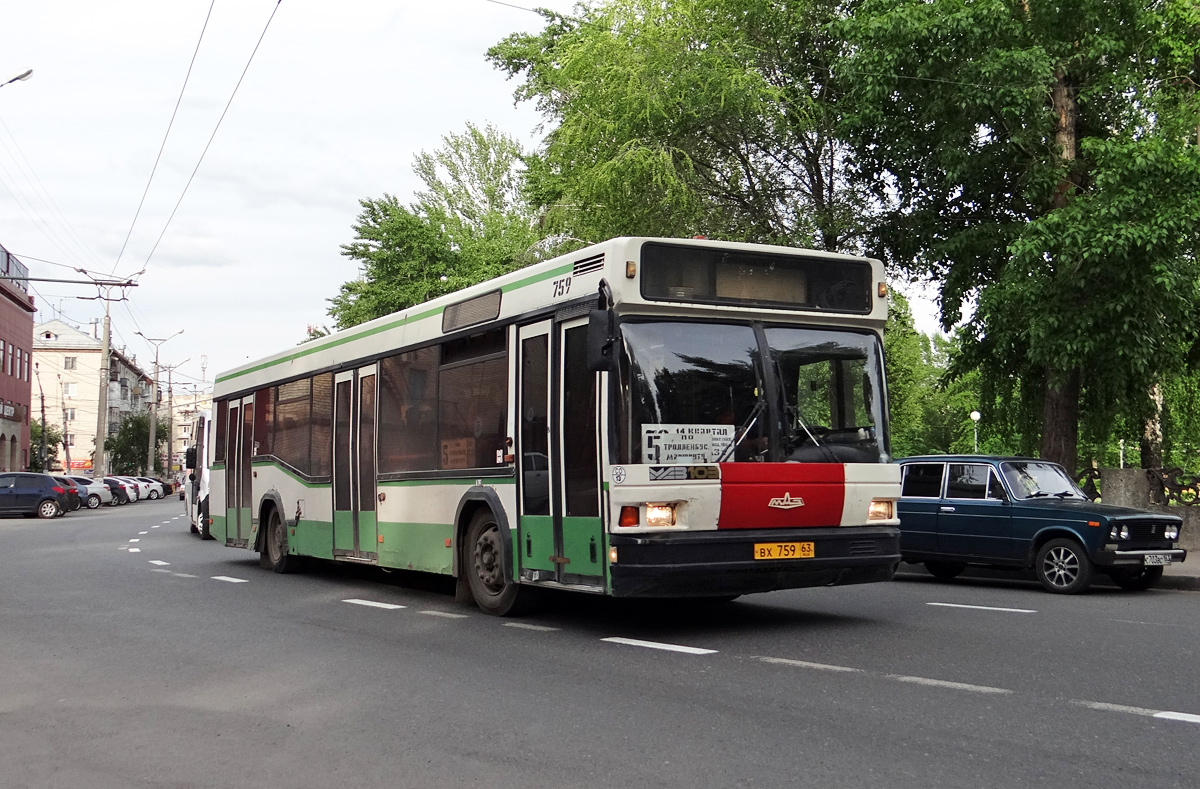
(785, 550)
(1153, 559)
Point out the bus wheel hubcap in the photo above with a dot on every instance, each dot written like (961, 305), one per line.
(487, 560)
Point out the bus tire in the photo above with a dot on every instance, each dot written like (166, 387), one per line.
(205, 528)
(274, 555)
(483, 563)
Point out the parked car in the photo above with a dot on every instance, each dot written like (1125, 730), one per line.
(120, 490)
(29, 494)
(97, 492)
(1013, 512)
(137, 490)
(155, 489)
(74, 498)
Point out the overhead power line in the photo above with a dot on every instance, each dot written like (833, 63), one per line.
(163, 146)
(213, 135)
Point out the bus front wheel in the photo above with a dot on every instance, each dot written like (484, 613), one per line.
(484, 567)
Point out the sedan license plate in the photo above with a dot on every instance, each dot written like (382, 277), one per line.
(1155, 559)
(783, 550)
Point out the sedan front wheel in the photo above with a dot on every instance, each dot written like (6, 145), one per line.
(48, 509)
(1063, 567)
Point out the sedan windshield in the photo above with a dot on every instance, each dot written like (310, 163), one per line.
(1034, 480)
(701, 393)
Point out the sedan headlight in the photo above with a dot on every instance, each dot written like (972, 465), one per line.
(1118, 532)
(1171, 532)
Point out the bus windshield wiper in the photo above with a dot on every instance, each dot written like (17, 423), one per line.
(740, 434)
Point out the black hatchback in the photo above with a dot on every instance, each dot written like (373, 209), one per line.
(119, 490)
(29, 494)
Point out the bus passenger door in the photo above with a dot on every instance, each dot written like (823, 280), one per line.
(535, 546)
(354, 525)
(579, 530)
(238, 491)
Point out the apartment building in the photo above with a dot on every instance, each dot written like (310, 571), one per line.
(68, 374)
(16, 337)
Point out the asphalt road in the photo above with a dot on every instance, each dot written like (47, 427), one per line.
(171, 662)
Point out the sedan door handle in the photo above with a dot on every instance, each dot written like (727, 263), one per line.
(945, 509)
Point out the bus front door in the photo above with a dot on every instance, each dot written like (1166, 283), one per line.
(355, 530)
(560, 533)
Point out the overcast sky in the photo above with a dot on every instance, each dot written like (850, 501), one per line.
(338, 100)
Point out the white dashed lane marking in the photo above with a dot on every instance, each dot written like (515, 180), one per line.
(986, 608)
(806, 664)
(444, 614)
(160, 570)
(1178, 716)
(153, 527)
(227, 579)
(527, 626)
(633, 642)
(941, 683)
(183, 575)
(135, 550)
(373, 604)
(143, 532)
(1186, 717)
(159, 562)
(135, 539)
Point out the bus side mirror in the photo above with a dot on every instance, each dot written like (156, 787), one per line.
(191, 477)
(190, 458)
(601, 338)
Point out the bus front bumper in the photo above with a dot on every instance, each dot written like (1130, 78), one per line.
(722, 563)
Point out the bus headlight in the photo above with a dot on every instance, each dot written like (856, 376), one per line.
(881, 510)
(660, 515)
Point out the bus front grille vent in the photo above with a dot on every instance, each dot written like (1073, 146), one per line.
(862, 548)
(588, 265)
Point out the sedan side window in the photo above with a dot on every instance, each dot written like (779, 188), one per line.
(996, 490)
(968, 481)
(923, 480)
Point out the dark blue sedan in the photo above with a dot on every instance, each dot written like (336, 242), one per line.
(1012, 512)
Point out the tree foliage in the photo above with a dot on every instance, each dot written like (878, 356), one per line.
(54, 439)
(1042, 159)
(470, 223)
(126, 449)
(693, 116)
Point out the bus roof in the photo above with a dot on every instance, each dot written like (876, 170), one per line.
(563, 281)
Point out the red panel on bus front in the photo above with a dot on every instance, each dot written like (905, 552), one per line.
(777, 495)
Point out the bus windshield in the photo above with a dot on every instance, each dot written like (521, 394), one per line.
(716, 392)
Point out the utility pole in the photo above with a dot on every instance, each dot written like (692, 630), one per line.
(157, 343)
(42, 448)
(62, 396)
(171, 368)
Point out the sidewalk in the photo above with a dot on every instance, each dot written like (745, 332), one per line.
(1184, 576)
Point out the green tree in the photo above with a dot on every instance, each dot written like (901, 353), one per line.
(53, 441)
(126, 449)
(715, 117)
(1041, 158)
(471, 223)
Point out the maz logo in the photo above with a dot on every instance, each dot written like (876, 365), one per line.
(786, 502)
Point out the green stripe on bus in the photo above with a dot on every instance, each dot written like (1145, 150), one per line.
(317, 347)
(415, 483)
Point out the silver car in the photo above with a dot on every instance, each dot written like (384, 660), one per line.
(97, 492)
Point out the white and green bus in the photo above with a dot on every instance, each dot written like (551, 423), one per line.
(641, 418)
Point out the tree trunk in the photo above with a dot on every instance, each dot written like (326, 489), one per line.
(1060, 411)
(1060, 419)
(1151, 444)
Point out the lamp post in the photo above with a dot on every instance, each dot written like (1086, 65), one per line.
(154, 398)
(975, 417)
(22, 77)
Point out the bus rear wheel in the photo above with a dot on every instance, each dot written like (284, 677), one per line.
(274, 555)
(484, 565)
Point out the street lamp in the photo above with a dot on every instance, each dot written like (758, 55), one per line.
(22, 77)
(975, 417)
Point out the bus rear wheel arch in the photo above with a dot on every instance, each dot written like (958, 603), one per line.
(484, 562)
